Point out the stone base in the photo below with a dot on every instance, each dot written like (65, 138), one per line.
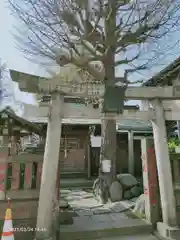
(171, 233)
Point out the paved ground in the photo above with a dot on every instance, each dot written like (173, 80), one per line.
(93, 220)
(84, 204)
(136, 237)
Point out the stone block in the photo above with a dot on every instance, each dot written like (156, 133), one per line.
(167, 232)
(127, 180)
(101, 211)
(136, 191)
(116, 192)
(127, 195)
(118, 207)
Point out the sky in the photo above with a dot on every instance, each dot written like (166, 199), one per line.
(14, 59)
(11, 55)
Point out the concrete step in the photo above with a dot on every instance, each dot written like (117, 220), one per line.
(72, 175)
(76, 183)
(103, 230)
(132, 237)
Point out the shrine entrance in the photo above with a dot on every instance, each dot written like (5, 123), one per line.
(74, 153)
(156, 111)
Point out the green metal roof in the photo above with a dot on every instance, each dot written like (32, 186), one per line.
(134, 125)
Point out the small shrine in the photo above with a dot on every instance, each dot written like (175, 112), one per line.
(13, 129)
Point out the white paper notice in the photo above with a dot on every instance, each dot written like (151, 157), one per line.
(106, 166)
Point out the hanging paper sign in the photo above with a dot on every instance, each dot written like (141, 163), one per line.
(106, 166)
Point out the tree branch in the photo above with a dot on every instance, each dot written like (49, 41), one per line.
(61, 26)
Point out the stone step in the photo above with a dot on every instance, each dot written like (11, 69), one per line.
(76, 183)
(132, 237)
(101, 230)
(71, 175)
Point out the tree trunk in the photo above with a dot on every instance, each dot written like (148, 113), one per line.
(108, 127)
(108, 152)
(108, 144)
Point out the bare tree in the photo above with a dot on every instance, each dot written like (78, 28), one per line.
(105, 33)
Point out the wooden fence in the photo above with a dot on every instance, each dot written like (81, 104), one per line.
(20, 179)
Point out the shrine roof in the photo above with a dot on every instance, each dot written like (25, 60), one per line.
(134, 125)
(165, 76)
(23, 122)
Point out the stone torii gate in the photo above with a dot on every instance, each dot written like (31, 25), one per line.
(157, 113)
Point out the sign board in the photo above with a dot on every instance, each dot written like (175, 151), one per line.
(93, 90)
(110, 104)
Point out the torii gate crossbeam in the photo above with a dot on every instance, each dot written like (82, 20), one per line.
(87, 90)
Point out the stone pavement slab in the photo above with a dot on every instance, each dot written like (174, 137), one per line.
(129, 203)
(84, 212)
(83, 202)
(101, 210)
(117, 207)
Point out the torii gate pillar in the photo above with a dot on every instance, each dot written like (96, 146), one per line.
(163, 166)
(168, 227)
(150, 180)
(50, 167)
